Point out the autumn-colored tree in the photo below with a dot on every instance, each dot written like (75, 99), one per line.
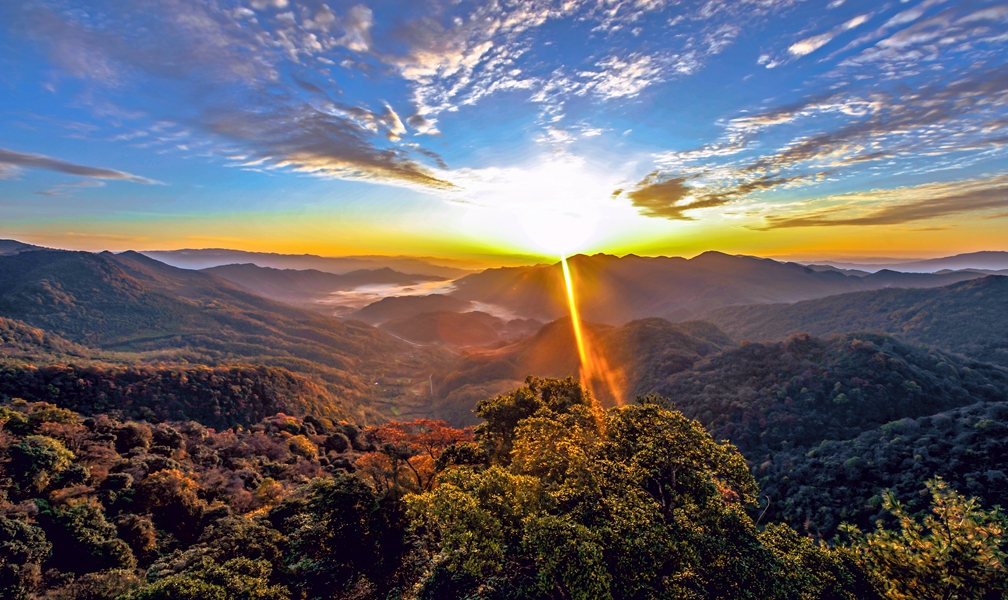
(413, 447)
(171, 497)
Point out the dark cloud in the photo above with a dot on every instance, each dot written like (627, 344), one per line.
(310, 140)
(11, 158)
(438, 160)
(668, 197)
(972, 198)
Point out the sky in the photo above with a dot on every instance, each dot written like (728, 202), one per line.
(506, 129)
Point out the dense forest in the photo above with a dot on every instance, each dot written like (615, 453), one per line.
(551, 497)
(797, 393)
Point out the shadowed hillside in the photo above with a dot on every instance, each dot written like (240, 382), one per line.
(638, 355)
(794, 394)
(217, 397)
(615, 290)
(817, 489)
(130, 303)
(399, 307)
(970, 318)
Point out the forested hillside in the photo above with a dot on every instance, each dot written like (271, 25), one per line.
(214, 396)
(132, 309)
(970, 318)
(637, 355)
(794, 394)
(838, 481)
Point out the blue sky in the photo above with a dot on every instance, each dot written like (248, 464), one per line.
(774, 127)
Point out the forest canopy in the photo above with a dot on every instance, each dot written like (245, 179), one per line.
(550, 497)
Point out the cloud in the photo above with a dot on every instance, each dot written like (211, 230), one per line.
(66, 190)
(901, 205)
(308, 139)
(622, 77)
(813, 43)
(670, 197)
(241, 84)
(12, 159)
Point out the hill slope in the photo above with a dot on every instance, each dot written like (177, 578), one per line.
(794, 394)
(840, 481)
(638, 355)
(130, 303)
(970, 318)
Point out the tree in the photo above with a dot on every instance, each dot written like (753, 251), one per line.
(83, 541)
(239, 579)
(636, 503)
(36, 461)
(23, 549)
(170, 496)
(955, 553)
(340, 534)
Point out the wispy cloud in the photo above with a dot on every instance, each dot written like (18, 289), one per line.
(243, 79)
(66, 190)
(901, 205)
(12, 159)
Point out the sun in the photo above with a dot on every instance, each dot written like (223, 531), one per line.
(553, 206)
(559, 231)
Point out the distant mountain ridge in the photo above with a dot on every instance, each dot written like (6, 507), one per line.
(307, 287)
(616, 290)
(339, 265)
(970, 317)
(8, 247)
(988, 260)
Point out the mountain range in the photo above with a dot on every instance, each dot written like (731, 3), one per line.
(215, 257)
(968, 318)
(975, 261)
(309, 287)
(615, 290)
(142, 310)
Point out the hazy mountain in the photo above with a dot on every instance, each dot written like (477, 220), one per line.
(399, 307)
(615, 290)
(473, 328)
(984, 261)
(637, 355)
(970, 318)
(306, 287)
(215, 257)
(129, 302)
